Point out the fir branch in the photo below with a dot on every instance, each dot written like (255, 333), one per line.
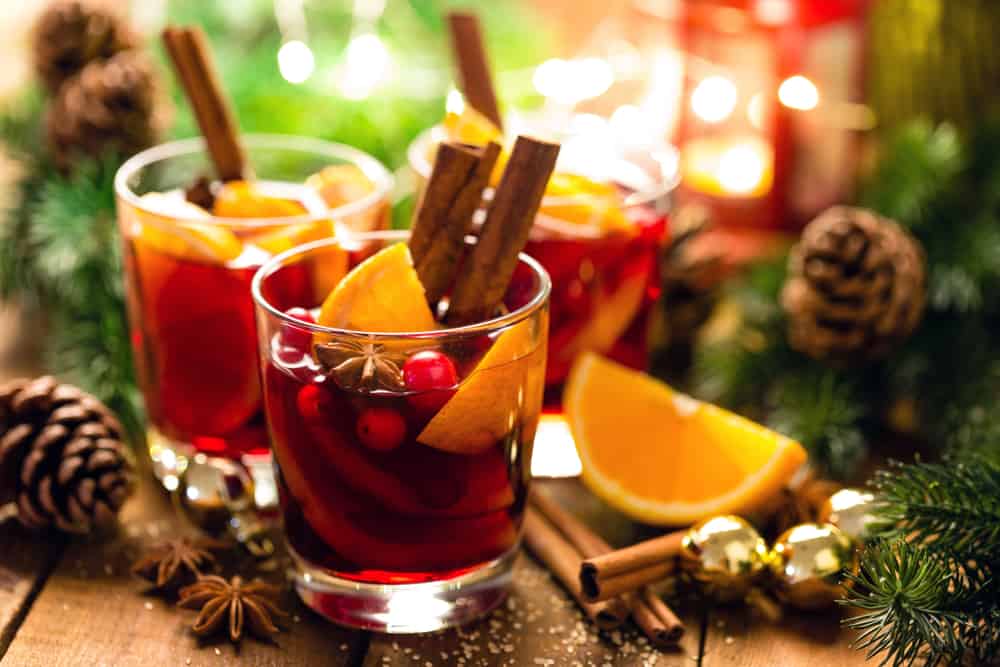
(823, 409)
(951, 507)
(917, 608)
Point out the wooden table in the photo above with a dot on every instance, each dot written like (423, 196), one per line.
(72, 602)
(68, 602)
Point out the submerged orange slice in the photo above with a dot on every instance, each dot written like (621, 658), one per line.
(287, 237)
(381, 294)
(171, 225)
(504, 391)
(583, 201)
(664, 458)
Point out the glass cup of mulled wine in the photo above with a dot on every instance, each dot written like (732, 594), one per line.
(402, 458)
(191, 248)
(600, 239)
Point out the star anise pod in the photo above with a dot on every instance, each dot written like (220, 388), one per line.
(360, 365)
(243, 606)
(178, 562)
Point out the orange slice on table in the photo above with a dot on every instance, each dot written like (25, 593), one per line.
(171, 225)
(504, 389)
(664, 458)
(382, 293)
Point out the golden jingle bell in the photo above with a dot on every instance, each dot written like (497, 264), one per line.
(807, 563)
(851, 510)
(724, 554)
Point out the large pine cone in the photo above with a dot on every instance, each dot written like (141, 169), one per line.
(62, 460)
(856, 286)
(111, 106)
(71, 33)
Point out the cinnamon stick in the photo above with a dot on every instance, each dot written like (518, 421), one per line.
(453, 193)
(483, 279)
(656, 620)
(597, 589)
(474, 73)
(564, 562)
(192, 60)
(641, 562)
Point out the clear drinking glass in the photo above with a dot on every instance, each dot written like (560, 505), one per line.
(188, 279)
(402, 507)
(605, 279)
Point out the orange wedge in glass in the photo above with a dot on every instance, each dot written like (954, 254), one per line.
(581, 200)
(340, 184)
(381, 294)
(662, 457)
(242, 199)
(174, 226)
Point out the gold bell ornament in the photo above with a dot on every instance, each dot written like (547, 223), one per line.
(853, 511)
(724, 555)
(807, 562)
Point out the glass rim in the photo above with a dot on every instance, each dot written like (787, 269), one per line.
(515, 316)
(181, 147)
(416, 157)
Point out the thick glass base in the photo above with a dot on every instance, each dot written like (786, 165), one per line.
(405, 608)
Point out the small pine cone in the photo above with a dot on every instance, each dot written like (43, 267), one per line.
(62, 460)
(856, 286)
(72, 33)
(113, 105)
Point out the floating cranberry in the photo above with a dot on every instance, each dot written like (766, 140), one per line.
(294, 336)
(310, 402)
(381, 429)
(432, 375)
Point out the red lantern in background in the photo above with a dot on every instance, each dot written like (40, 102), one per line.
(771, 108)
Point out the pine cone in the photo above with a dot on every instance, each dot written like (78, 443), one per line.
(112, 105)
(61, 456)
(70, 34)
(856, 286)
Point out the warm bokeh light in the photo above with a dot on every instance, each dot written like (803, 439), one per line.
(367, 63)
(714, 99)
(295, 61)
(798, 92)
(755, 111)
(740, 169)
(573, 81)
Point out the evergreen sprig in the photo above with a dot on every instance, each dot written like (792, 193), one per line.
(930, 585)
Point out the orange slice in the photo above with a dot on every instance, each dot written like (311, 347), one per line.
(581, 200)
(340, 184)
(170, 226)
(471, 127)
(242, 199)
(381, 294)
(664, 458)
(503, 391)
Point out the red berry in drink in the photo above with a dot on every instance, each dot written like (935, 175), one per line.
(381, 429)
(294, 336)
(432, 375)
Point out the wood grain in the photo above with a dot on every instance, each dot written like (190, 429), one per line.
(804, 639)
(92, 612)
(25, 562)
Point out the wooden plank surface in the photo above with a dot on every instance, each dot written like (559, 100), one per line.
(92, 612)
(803, 639)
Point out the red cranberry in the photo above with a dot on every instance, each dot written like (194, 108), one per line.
(310, 402)
(296, 337)
(432, 375)
(381, 429)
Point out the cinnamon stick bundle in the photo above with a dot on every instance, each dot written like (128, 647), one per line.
(564, 562)
(486, 272)
(192, 61)
(453, 192)
(474, 73)
(626, 569)
(656, 620)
